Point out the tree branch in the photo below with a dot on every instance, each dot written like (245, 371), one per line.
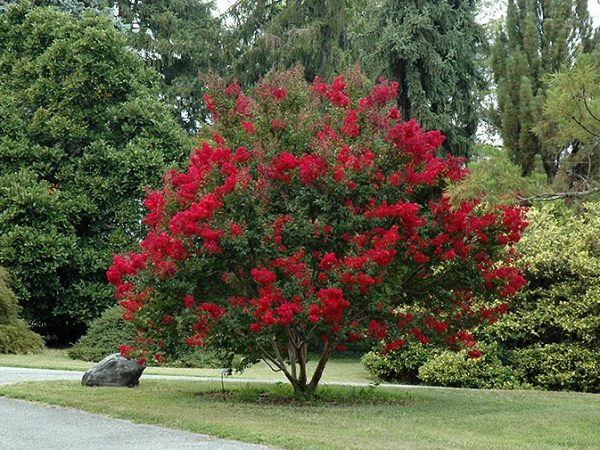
(584, 127)
(557, 196)
(588, 107)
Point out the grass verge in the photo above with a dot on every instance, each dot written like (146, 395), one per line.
(341, 370)
(343, 417)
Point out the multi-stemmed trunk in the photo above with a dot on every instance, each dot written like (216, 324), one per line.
(294, 368)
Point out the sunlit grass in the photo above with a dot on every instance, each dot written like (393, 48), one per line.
(344, 417)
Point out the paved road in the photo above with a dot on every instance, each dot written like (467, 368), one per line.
(30, 426)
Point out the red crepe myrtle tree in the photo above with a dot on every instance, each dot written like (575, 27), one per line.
(313, 217)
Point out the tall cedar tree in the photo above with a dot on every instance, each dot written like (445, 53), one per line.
(82, 133)
(269, 35)
(539, 38)
(431, 48)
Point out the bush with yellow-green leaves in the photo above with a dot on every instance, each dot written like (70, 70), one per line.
(551, 336)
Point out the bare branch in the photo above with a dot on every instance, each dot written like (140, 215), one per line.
(557, 196)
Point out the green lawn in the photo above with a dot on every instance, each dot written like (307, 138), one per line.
(371, 418)
(347, 370)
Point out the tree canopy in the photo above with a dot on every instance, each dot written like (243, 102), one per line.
(276, 35)
(538, 38)
(313, 217)
(431, 49)
(82, 133)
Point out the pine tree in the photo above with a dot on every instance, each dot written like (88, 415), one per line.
(431, 49)
(539, 38)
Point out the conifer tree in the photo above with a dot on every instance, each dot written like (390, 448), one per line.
(431, 49)
(269, 35)
(181, 40)
(538, 38)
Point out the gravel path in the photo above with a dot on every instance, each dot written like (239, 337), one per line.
(30, 426)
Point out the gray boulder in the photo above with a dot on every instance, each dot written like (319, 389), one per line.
(114, 370)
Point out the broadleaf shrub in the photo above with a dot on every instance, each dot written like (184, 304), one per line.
(109, 331)
(310, 217)
(402, 366)
(458, 370)
(15, 335)
(567, 366)
(550, 338)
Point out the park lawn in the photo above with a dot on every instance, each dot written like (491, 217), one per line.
(344, 417)
(337, 370)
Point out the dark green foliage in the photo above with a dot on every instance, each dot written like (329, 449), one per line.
(82, 133)
(538, 38)
(108, 331)
(180, 39)
(273, 35)
(103, 336)
(401, 367)
(15, 335)
(431, 48)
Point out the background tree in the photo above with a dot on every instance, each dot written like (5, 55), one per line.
(15, 336)
(180, 39)
(570, 123)
(538, 38)
(431, 48)
(82, 132)
(276, 35)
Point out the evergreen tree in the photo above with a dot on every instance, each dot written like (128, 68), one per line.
(539, 38)
(571, 118)
(82, 133)
(431, 49)
(180, 39)
(269, 35)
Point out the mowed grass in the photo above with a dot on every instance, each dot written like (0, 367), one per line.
(344, 417)
(338, 370)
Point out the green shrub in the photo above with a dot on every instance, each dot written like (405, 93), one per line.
(104, 336)
(458, 370)
(15, 335)
(109, 331)
(402, 366)
(560, 366)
